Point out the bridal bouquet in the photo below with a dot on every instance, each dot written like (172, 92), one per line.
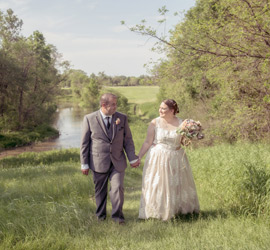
(190, 129)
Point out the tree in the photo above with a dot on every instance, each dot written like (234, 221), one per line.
(218, 65)
(10, 28)
(90, 94)
(29, 79)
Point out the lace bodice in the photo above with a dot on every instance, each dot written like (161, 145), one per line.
(166, 137)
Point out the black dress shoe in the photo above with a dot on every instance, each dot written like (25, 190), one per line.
(101, 218)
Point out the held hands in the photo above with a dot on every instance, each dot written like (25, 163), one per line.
(136, 164)
(133, 165)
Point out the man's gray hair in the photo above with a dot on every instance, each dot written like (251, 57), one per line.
(105, 98)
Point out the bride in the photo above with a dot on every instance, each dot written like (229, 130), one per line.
(168, 187)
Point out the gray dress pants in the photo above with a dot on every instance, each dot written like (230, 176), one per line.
(116, 193)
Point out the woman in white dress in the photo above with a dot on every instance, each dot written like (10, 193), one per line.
(168, 186)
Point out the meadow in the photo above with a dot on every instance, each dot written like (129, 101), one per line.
(46, 203)
(138, 94)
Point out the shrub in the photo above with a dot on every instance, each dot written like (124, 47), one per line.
(255, 190)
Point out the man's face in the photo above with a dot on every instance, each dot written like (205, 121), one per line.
(111, 107)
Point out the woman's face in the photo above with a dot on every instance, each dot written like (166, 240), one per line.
(164, 110)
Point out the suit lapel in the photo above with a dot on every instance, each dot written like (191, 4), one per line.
(114, 128)
(101, 123)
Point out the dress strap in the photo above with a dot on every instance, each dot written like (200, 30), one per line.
(158, 122)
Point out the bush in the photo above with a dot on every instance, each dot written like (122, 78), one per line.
(27, 136)
(10, 141)
(255, 190)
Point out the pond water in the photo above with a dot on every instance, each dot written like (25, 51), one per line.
(68, 122)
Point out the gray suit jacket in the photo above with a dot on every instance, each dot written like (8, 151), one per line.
(99, 148)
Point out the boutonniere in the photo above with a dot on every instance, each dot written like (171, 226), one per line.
(117, 121)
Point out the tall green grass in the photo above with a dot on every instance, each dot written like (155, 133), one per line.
(236, 176)
(35, 159)
(49, 204)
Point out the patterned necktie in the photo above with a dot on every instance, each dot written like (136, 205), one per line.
(108, 122)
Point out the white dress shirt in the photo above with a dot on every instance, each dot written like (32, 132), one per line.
(104, 117)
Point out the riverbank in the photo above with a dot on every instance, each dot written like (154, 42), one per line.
(35, 147)
(66, 129)
(27, 136)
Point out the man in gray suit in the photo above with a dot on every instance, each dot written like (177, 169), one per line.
(105, 137)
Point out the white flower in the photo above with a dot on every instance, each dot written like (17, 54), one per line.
(117, 121)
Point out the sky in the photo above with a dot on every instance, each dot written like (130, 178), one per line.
(89, 34)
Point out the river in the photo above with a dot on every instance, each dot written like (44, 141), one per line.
(68, 122)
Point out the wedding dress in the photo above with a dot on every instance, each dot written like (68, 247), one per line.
(168, 187)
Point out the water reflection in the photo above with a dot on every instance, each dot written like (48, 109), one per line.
(68, 122)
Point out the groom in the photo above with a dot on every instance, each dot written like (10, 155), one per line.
(105, 137)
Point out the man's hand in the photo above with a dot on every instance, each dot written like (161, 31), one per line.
(136, 164)
(85, 171)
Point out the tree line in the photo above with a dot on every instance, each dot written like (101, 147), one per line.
(77, 77)
(86, 90)
(218, 66)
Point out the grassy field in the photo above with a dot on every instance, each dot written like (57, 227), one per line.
(138, 94)
(142, 100)
(46, 203)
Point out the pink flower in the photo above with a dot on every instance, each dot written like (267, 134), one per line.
(190, 129)
(117, 121)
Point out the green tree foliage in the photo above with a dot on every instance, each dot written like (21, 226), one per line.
(10, 28)
(87, 90)
(29, 79)
(121, 80)
(218, 66)
(90, 94)
(76, 80)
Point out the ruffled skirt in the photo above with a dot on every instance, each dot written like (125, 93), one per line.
(168, 186)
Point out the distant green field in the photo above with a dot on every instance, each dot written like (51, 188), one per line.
(139, 94)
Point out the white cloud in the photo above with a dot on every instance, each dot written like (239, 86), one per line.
(20, 2)
(92, 5)
(18, 6)
(4, 5)
(88, 4)
(51, 22)
(119, 28)
(14, 4)
(94, 55)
